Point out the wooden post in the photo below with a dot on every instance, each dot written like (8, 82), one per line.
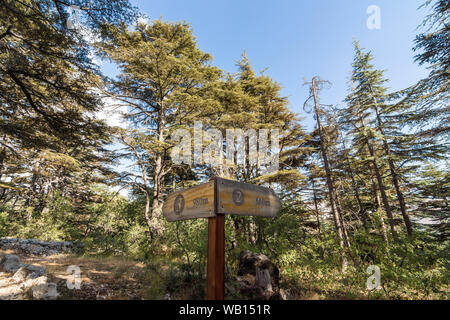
(215, 278)
(215, 286)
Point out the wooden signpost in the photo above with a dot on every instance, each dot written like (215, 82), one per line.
(245, 199)
(192, 203)
(213, 200)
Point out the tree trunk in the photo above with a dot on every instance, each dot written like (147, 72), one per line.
(157, 228)
(147, 213)
(316, 205)
(252, 229)
(394, 175)
(379, 178)
(341, 219)
(382, 189)
(334, 210)
(237, 231)
(380, 207)
(361, 212)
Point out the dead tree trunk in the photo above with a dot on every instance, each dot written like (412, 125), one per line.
(331, 190)
(361, 210)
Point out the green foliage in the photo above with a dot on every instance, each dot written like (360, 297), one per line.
(431, 95)
(5, 224)
(56, 181)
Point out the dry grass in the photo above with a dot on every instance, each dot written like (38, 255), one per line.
(101, 278)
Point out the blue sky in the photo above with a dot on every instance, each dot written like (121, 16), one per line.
(300, 39)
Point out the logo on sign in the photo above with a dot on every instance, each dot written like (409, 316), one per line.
(238, 197)
(178, 204)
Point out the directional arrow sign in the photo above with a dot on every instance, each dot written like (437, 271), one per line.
(213, 200)
(192, 203)
(233, 198)
(246, 199)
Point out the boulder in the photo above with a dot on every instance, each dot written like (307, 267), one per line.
(45, 291)
(28, 281)
(9, 263)
(258, 277)
(19, 290)
(28, 271)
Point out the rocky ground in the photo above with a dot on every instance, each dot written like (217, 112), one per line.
(31, 269)
(20, 281)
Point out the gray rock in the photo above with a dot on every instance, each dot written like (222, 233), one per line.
(21, 290)
(9, 263)
(45, 291)
(28, 271)
(30, 283)
(20, 275)
(9, 292)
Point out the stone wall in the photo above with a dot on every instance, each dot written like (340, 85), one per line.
(39, 248)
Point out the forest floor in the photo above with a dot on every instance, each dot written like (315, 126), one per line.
(107, 278)
(101, 278)
(113, 278)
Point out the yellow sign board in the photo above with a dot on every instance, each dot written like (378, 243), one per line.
(246, 199)
(192, 203)
(232, 197)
